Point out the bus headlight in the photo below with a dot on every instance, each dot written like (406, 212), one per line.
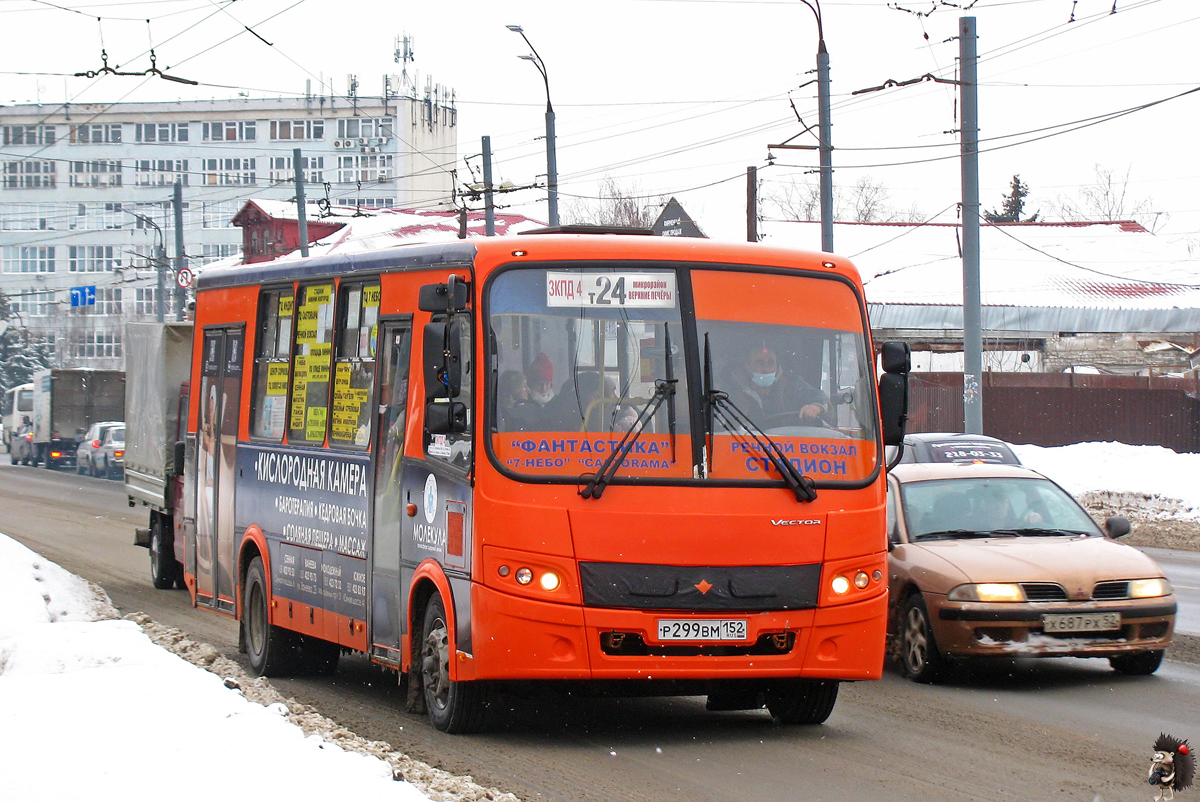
(549, 581)
(840, 584)
(524, 576)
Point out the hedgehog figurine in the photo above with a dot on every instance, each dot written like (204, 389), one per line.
(1172, 767)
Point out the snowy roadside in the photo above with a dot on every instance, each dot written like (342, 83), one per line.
(87, 701)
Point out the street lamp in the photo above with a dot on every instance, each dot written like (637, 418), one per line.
(160, 261)
(551, 162)
(826, 130)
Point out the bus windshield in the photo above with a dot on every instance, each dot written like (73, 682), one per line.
(789, 354)
(579, 351)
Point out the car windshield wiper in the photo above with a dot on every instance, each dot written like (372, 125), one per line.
(1041, 531)
(955, 534)
(664, 389)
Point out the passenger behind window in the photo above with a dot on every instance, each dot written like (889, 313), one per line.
(512, 402)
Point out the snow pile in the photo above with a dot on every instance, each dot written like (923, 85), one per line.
(1137, 481)
(93, 707)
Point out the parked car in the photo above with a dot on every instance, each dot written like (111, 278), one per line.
(110, 461)
(956, 447)
(990, 560)
(87, 454)
(22, 445)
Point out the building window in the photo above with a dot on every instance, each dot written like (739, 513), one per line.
(105, 173)
(229, 132)
(214, 252)
(29, 259)
(29, 174)
(228, 172)
(108, 302)
(33, 216)
(146, 301)
(32, 304)
(218, 214)
(160, 172)
(161, 132)
(313, 168)
(360, 128)
(100, 216)
(95, 134)
(369, 167)
(94, 258)
(368, 203)
(297, 129)
(95, 344)
(29, 135)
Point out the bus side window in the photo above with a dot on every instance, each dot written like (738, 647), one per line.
(272, 352)
(311, 357)
(354, 365)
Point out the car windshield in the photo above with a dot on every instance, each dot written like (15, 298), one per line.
(1006, 506)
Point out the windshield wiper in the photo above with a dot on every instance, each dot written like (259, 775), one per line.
(1042, 531)
(733, 418)
(663, 389)
(955, 534)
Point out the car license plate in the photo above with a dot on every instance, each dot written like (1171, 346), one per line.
(704, 629)
(1085, 622)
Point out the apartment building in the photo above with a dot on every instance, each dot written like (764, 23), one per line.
(86, 194)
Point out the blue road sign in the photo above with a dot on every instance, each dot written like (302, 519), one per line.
(83, 296)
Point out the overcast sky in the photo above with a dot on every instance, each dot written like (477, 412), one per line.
(679, 97)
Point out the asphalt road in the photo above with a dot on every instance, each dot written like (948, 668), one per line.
(1183, 569)
(1062, 729)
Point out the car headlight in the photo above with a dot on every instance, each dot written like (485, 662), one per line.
(1148, 588)
(988, 592)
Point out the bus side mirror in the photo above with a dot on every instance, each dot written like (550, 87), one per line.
(893, 392)
(441, 347)
(449, 297)
(443, 417)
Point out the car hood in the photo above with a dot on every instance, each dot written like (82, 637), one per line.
(1070, 561)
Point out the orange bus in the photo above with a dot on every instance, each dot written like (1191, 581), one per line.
(638, 464)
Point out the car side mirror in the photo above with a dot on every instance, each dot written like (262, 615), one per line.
(1117, 526)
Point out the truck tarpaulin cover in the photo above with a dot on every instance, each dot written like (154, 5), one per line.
(157, 362)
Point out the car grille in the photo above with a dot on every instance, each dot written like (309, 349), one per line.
(1111, 590)
(1044, 592)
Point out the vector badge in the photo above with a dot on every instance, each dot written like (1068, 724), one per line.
(1172, 767)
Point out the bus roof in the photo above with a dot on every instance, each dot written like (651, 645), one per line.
(550, 246)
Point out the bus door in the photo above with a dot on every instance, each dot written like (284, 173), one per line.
(216, 456)
(387, 613)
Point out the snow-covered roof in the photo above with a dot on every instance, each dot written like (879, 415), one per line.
(1095, 277)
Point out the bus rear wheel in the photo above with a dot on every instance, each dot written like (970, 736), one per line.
(802, 701)
(272, 650)
(454, 707)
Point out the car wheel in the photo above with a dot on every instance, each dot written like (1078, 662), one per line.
(919, 655)
(272, 650)
(802, 701)
(453, 707)
(79, 466)
(162, 557)
(1138, 664)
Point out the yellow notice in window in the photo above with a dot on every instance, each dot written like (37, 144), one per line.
(285, 305)
(277, 378)
(370, 296)
(320, 294)
(314, 426)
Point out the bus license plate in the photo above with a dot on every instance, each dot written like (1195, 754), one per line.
(707, 629)
(1086, 622)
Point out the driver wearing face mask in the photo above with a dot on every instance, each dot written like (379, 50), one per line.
(764, 391)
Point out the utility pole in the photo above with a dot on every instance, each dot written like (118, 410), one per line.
(180, 253)
(972, 323)
(551, 156)
(826, 127)
(301, 217)
(489, 207)
(160, 260)
(752, 204)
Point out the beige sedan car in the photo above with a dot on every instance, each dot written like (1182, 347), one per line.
(998, 561)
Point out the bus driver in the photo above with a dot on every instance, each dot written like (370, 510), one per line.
(772, 396)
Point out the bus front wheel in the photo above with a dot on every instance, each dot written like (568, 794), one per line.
(802, 701)
(272, 650)
(454, 707)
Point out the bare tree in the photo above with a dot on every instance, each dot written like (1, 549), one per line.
(865, 202)
(1107, 199)
(616, 206)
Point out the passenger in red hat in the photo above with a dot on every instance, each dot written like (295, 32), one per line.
(539, 374)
